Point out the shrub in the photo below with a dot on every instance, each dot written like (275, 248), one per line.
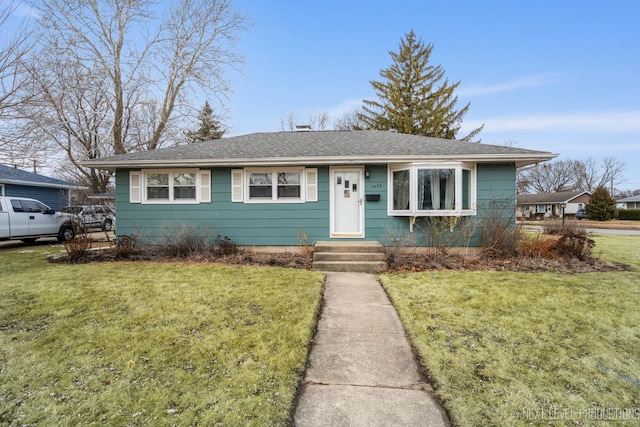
(397, 244)
(186, 242)
(78, 248)
(304, 247)
(629, 214)
(537, 246)
(558, 228)
(224, 246)
(602, 205)
(500, 232)
(125, 246)
(574, 246)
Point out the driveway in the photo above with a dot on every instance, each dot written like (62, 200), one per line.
(11, 244)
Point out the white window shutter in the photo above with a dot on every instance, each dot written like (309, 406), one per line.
(311, 181)
(135, 187)
(237, 185)
(205, 186)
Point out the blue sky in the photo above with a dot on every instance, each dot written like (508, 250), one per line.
(560, 76)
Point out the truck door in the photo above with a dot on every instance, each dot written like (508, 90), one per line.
(39, 222)
(4, 220)
(19, 219)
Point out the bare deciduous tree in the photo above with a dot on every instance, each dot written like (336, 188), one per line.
(570, 175)
(549, 177)
(593, 174)
(15, 45)
(317, 121)
(134, 73)
(350, 121)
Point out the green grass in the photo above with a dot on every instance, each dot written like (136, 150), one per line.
(151, 344)
(520, 349)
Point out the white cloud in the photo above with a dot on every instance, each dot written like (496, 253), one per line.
(603, 121)
(337, 111)
(24, 10)
(534, 80)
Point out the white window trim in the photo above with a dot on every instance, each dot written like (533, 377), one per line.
(274, 185)
(138, 187)
(413, 210)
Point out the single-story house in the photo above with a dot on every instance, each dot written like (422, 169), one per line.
(549, 205)
(271, 188)
(53, 192)
(632, 202)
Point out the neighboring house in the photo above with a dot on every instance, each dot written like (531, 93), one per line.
(53, 192)
(272, 188)
(632, 202)
(549, 205)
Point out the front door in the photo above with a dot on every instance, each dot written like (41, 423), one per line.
(347, 207)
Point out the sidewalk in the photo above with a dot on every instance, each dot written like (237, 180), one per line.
(361, 369)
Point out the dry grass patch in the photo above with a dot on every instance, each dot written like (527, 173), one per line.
(151, 343)
(519, 349)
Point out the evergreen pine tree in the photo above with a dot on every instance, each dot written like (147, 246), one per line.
(602, 205)
(210, 127)
(413, 98)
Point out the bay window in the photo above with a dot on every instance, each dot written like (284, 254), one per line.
(446, 189)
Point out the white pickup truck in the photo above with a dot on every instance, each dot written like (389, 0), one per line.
(28, 219)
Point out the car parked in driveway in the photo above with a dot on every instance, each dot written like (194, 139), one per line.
(92, 216)
(581, 214)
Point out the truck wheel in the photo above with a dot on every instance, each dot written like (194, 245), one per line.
(107, 225)
(66, 233)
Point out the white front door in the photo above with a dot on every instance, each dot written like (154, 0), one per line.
(347, 202)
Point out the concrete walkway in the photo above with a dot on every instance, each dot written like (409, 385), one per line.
(362, 371)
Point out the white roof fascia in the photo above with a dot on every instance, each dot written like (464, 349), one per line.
(333, 160)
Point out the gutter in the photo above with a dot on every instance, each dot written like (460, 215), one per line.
(331, 160)
(42, 184)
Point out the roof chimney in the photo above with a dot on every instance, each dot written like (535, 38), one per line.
(303, 128)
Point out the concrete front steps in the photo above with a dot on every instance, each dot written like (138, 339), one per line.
(352, 257)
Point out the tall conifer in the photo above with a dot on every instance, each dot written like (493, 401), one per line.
(413, 98)
(210, 127)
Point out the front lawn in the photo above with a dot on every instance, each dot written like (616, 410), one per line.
(519, 349)
(151, 343)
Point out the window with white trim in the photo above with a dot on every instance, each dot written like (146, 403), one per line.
(274, 185)
(439, 189)
(180, 186)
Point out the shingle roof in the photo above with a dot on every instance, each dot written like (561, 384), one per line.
(321, 147)
(629, 199)
(549, 198)
(9, 175)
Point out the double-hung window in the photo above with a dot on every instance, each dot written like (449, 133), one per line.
(170, 186)
(432, 189)
(274, 185)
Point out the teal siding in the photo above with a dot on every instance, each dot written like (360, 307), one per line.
(280, 223)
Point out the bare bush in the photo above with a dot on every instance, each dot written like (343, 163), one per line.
(78, 248)
(223, 246)
(560, 228)
(304, 248)
(574, 246)
(397, 244)
(536, 246)
(186, 242)
(125, 246)
(500, 231)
